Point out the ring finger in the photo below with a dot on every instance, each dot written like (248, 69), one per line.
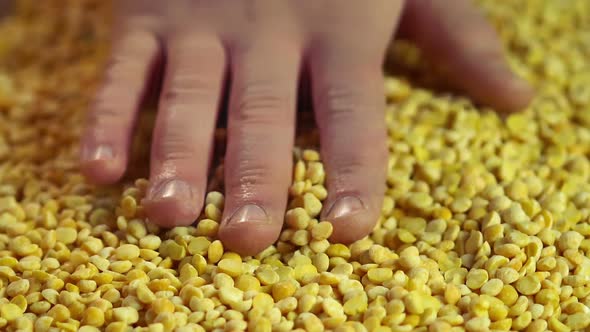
(260, 140)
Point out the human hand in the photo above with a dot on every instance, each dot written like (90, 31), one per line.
(264, 45)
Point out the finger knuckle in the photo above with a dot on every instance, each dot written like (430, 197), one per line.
(356, 164)
(129, 59)
(350, 177)
(104, 114)
(261, 103)
(349, 168)
(187, 87)
(342, 103)
(175, 147)
(250, 177)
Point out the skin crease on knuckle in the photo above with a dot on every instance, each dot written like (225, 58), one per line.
(179, 136)
(250, 124)
(253, 181)
(105, 116)
(229, 22)
(176, 147)
(256, 101)
(248, 174)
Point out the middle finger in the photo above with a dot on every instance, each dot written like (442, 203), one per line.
(261, 131)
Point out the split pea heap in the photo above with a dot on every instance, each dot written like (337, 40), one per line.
(484, 226)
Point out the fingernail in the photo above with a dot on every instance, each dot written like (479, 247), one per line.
(249, 213)
(101, 152)
(345, 206)
(171, 188)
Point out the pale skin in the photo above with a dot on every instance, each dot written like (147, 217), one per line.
(264, 45)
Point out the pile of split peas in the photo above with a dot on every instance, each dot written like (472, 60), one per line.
(484, 226)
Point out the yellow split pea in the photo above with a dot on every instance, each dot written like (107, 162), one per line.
(483, 224)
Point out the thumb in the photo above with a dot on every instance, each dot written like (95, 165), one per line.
(456, 37)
